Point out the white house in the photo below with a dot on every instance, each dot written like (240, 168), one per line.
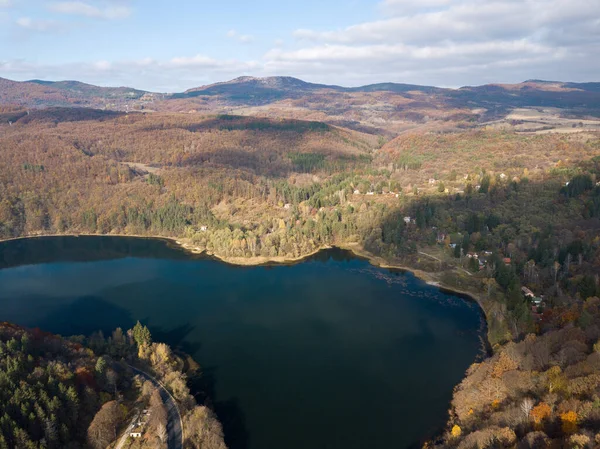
(287, 206)
(407, 220)
(357, 192)
(204, 228)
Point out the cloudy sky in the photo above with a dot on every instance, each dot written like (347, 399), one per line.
(175, 45)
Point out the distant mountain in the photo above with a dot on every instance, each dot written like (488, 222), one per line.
(256, 90)
(579, 97)
(395, 87)
(335, 102)
(77, 87)
(251, 89)
(38, 93)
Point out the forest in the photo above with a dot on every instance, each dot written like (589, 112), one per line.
(512, 219)
(81, 392)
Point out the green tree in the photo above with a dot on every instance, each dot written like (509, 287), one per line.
(141, 335)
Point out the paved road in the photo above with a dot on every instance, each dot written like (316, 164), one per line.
(125, 435)
(174, 423)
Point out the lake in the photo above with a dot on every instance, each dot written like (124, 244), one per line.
(328, 353)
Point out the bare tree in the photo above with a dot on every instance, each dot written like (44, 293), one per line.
(158, 412)
(161, 432)
(527, 406)
(103, 429)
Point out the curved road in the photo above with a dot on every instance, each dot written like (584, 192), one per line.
(174, 423)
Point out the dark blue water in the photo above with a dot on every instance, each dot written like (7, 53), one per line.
(328, 353)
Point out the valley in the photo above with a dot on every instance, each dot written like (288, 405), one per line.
(489, 191)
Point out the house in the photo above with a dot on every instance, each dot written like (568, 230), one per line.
(357, 192)
(503, 176)
(472, 256)
(287, 206)
(528, 293)
(204, 228)
(507, 261)
(370, 193)
(138, 424)
(534, 309)
(407, 220)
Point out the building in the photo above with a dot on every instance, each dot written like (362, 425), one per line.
(287, 206)
(528, 293)
(204, 228)
(357, 192)
(138, 424)
(407, 220)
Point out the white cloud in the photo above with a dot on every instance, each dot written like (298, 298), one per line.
(242, 38)
(38, 25)
(411, 6)
(467, 20)
(78, 8)
(172, 75)
(434, 42)
(446, 41)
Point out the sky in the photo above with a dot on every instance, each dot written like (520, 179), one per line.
(176, 45)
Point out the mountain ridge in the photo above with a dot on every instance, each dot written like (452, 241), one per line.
(290, 97)
(285, 81)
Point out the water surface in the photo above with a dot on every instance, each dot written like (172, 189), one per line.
(330, 353)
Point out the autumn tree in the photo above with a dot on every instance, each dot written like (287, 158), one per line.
(540, 412)
(158, 412)
(103, 429)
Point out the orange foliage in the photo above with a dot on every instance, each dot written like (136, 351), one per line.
(540, 412)
(504, 363)
(85, 376)
(569, 422)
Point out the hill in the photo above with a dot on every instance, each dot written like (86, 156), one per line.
(381, 109)
(81, 391)
(37, 93)
(472, 200)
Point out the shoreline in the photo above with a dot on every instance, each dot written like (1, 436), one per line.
(355, 248)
